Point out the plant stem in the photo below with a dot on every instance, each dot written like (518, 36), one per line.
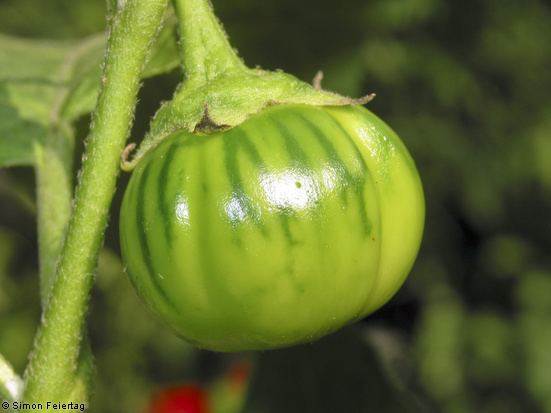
(10, 383)
(54, 359)
(205, 48)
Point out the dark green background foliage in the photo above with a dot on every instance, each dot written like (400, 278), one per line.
(466, 84)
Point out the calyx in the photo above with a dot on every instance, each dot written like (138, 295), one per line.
(220, 91)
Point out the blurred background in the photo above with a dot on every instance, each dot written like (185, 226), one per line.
(466, 84)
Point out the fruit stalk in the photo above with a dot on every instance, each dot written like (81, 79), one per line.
(205, 49)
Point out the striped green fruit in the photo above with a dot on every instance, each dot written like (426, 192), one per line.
(278, 231)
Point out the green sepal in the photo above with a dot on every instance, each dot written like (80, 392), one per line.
(228, 101)
(220, 91)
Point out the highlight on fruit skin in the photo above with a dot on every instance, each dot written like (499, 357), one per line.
(275, 232)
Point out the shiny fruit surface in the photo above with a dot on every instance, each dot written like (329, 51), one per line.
(277, 231)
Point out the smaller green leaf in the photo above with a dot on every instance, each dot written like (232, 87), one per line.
(44, 84)
(85, 83)
(33, 74)
(164, 55)
(17, 137)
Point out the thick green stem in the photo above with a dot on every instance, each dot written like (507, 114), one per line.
(54, 165)
(205, 48)
(54, 360)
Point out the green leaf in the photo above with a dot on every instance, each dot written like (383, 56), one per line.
(48, 84)
(16, 135)
(164, 55)
(85, 83)
(35, 77)
(340, 373)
